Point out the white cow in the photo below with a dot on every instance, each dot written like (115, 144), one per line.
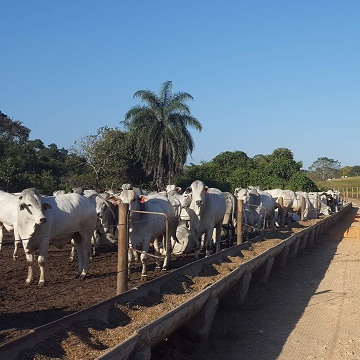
(58, 192)
(334, 200)
(148, 224)
(259, 207)
(304, 200)
(9, 207)
(325, 208)
(292, 203)
(56, 220)
(107, 212)
(229, 222)
(206, 208)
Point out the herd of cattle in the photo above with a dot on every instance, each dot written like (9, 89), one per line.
(193, 219)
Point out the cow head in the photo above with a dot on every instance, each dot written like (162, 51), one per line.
(198, 192)
(106, 210)
(31, 211)
(241, 194)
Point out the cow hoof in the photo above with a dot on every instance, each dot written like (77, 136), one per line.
(41, 284)
(157, 269)
(27, 283)
(144, 278)
(83, 276)
(71, 259)
(15, 258)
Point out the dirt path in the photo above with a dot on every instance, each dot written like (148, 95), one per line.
(308, 310)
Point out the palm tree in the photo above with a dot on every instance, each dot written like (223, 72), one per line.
(159, 132)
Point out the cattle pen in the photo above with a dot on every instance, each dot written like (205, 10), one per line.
(180, 298)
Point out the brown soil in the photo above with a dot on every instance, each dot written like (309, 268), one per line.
(24, 308)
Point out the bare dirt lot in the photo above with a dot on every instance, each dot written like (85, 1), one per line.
(308, 310)
(24, 308)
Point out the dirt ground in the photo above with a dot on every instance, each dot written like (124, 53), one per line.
(23, 308)
(308, 310)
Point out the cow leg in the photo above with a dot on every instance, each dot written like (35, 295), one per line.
(72, 254)
(81, 260)
(217, 237)
(144, 268)
(43, 250)
(29, 260)
(195, 236)
(166, 261)
(1, 238)
(29, 254)
(86, 253)
(272, 220)
(95, 240)
(202, 242)
(83, 249)
(208, 243)
(131, 253)
(136, 256)
(41, 263)
(16, 249)
(159, 250)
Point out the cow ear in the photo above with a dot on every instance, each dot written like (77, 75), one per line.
(22, 206)
(143, 199)
(115, 200)
(46, 206)
(188, 190)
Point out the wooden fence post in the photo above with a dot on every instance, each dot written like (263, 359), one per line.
(123, 238)
(281, 219)
(239, 221)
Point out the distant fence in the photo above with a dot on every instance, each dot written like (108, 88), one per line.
(349, 192)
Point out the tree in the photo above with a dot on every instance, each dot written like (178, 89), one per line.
(346, 171)
(13, 138)
(233, 160)
(159, 132)
(299, 181)
(97, 156)
(108, 161)
(325, 168)
(355, 171)
(12, 130)
(283, 153)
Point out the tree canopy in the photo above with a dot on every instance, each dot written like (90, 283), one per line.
(159, 132)
(112, 156)
(230, 170)
(325, 168)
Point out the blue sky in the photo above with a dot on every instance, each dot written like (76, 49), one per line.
(263, 74)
